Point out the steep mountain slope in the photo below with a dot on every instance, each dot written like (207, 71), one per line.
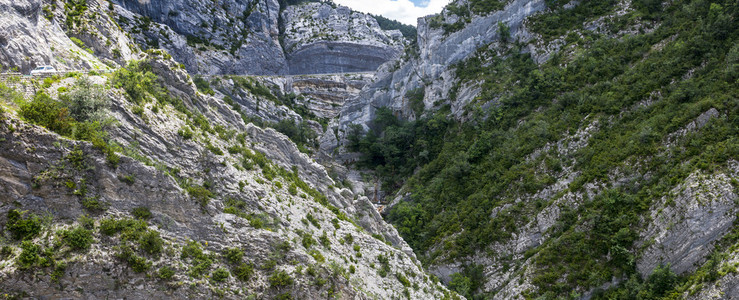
(263, 37)
(562, 149)
(135, 184)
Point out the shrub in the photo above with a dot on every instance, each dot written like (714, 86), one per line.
(94, 204)
(29, 255)
(220, 275)
(141, 212)
(233, 255)
(128, 179)
(280, 278)
(243, 271)
(78, 238)
(317, 255)
(292, 189)
(165, 273)
(403, 280)
(313, 220)
(199, 194)
(47, 112)
(325, 241)
(199, 260)
(137, 263)
(308, 240)
(151, 242)
(86, 101)
(5, 252)
(23, 228)
(185, 132)
(203, 86)
(137, 80)
(87, 222)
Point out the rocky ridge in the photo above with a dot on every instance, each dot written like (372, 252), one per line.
(244, 37)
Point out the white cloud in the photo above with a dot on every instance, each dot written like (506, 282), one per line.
(402, 10)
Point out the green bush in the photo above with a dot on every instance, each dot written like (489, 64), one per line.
(185, 132)
(138, 81)
(151, 242)
(233, 255)
(5, 252)
(137, 263)
(200, 261)
(23, 228)
(199, 194)
(78, 238)
(220, 275)
(29, 255)
(165, 273)
(308, 240)
(243, 271)
(403, 280)
(203, 85)
(280, 279)
(47, 112)
(141, 212)
(86, 101)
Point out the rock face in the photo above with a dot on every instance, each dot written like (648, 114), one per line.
(33, 34)
(320, 38)
(431, 69)
(226, 185)
(233, 37)
(244, 37)
(686, 223)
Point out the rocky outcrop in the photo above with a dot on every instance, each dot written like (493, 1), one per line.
(322, 38)
(233, 37)
(685, 223)
(35, 32)
(432, 69)
(244, 37)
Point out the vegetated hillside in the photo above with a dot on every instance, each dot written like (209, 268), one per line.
(606, 168)
(142, 183)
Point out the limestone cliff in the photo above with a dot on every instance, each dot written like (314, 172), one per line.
(244, 37)
(169, 193)
(320, 39)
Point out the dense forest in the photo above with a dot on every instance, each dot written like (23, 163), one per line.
(636, 89)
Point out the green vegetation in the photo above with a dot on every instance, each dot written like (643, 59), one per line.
(200, 194)
(30, 255)
(409, 31)
(165, 273)
(133, 232)
(478, 169)
(23, 228)
(233, 255)
(141, 212)
(203, 85)
(80, 114)
(394, 148)
(280, 279)
(74, 9)
(563, 19)
(78, 238)
(243, 271)
(300, 133)
(200, 261)
(238, 207)
(220, 275)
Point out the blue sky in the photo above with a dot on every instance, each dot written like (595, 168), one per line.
(405, 11)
